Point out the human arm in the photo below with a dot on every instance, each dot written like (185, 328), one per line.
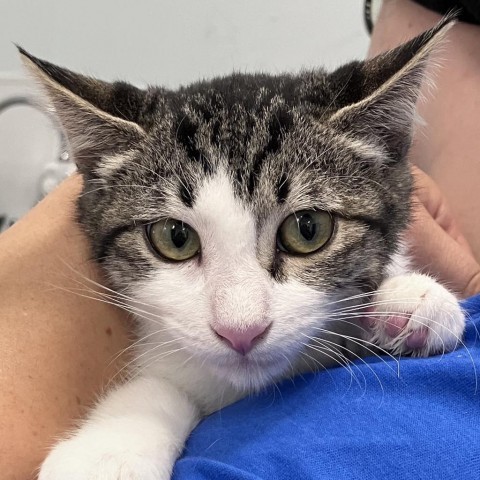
(56, 347)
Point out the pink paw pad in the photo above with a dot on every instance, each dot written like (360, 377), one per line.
(368, 320)
(417, 339)
(395, 324)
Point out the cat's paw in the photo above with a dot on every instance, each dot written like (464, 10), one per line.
(90, 458)
(414, 314)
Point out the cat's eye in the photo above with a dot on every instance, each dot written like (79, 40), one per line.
(305, 232)
(174, 239)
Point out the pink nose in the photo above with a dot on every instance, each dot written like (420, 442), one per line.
(241, 340)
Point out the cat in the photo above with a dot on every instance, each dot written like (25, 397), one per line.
(248, 223)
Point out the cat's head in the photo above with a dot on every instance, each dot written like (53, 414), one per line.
(231, 214)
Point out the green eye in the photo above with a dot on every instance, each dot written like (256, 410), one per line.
(173, 239)
(305, 232)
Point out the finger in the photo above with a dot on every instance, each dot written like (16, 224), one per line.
(432, 198)
(437, 253)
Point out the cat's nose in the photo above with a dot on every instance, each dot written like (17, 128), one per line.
(241, 341)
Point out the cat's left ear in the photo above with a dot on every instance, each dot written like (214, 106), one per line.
(99, 118)
(385, 90)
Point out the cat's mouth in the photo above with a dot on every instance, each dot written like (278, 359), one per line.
(253, 370)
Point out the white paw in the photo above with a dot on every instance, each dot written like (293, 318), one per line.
(89, 457)
(413, 314)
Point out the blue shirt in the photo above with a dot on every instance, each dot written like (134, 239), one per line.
(419, 419)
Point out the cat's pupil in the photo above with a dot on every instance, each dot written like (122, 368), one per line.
(179, 234)
(308, 228)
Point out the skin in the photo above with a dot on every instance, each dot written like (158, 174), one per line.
(56, 348)
(446, 149)
(437, 243)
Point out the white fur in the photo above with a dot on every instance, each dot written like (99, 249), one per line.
(136, 432)
(428, 305)
(400, 262)
(111, 164)
(363, 148)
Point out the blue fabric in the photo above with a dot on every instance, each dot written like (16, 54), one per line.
(423, 424)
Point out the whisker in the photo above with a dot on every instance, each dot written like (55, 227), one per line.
(339, 360)
(320, 363)
(363, 344)
(141, 368)
(356, 356)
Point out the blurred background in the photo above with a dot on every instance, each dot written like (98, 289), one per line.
(168, 42)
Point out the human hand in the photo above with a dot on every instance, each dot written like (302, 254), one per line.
(436, 244)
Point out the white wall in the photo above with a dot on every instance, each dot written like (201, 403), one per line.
(175, 41)
(169, 42)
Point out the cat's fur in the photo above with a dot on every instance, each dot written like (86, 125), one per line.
(233, 157)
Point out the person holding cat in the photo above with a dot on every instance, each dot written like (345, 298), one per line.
(57, 348)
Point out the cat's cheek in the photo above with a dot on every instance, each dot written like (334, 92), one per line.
(173, 303)
(296, 307)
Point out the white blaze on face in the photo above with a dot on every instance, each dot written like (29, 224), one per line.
(239, 288)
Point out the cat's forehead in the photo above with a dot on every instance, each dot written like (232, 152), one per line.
(264, 134)
(254, 92)
(242, 117)
(257, 128)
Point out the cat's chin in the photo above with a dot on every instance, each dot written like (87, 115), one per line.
(250, 374)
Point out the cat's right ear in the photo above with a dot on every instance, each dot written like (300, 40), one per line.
(377, 98)
(99, 118)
